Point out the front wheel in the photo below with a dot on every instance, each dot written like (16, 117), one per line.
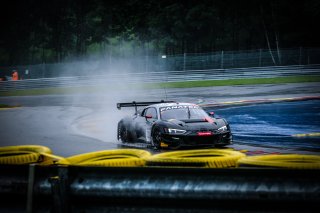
(156, 136)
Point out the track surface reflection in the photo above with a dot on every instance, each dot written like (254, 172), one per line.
(284, 124)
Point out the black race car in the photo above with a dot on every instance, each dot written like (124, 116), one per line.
(168, 124)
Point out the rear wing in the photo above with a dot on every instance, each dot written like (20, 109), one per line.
(138, 104)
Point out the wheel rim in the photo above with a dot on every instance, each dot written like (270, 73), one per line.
(123, 134)
(156, 138)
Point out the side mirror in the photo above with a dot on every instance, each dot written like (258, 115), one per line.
(211, 114)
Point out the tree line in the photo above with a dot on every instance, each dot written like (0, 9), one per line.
(37, 31)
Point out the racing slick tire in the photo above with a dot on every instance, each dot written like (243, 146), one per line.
(124, 134)
(27, 154)
(19, 157)
(207, 158)
(292, 161)
(156, 137)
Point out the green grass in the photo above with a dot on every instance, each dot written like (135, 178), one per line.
(5, 106)
(186, 84)
(233, 82)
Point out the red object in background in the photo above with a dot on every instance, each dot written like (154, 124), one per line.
(15, 76)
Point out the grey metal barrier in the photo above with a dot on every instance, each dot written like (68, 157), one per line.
(157, 77)
(151, 189)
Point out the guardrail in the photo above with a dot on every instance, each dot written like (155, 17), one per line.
(155, 77)
(138, 189)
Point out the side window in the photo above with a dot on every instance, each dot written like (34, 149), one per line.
(153, 112)
(141, 112)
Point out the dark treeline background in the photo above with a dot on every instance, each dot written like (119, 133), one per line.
(50, 31)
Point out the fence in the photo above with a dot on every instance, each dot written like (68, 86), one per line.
(241, 59)
(188, 61)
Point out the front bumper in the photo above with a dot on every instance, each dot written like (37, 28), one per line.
(220, 139)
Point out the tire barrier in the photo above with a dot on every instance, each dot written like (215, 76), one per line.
(207, 158)
(19, 157)
(27, 154)
(111, 158)
(31, 148)
(291, 161)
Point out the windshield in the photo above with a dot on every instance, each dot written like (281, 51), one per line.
(182, 112)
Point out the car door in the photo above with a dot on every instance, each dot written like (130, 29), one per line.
(151, 116)
(145, 121)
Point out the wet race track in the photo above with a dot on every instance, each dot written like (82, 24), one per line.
(282, 125)
(75, 124)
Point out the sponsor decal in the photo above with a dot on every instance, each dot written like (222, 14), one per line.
(162, 109)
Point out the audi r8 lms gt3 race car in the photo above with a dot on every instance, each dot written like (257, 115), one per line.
(173, 125)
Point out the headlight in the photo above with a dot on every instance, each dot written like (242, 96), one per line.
(223, 129)
(176, 131)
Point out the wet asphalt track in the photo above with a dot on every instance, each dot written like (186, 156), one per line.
(282, 125)
(74, 124)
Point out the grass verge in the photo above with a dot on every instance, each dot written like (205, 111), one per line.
(5, 106)
(186, 84)
(233, 82)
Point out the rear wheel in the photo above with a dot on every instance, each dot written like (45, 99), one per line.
(156, 138)
(123, 133)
